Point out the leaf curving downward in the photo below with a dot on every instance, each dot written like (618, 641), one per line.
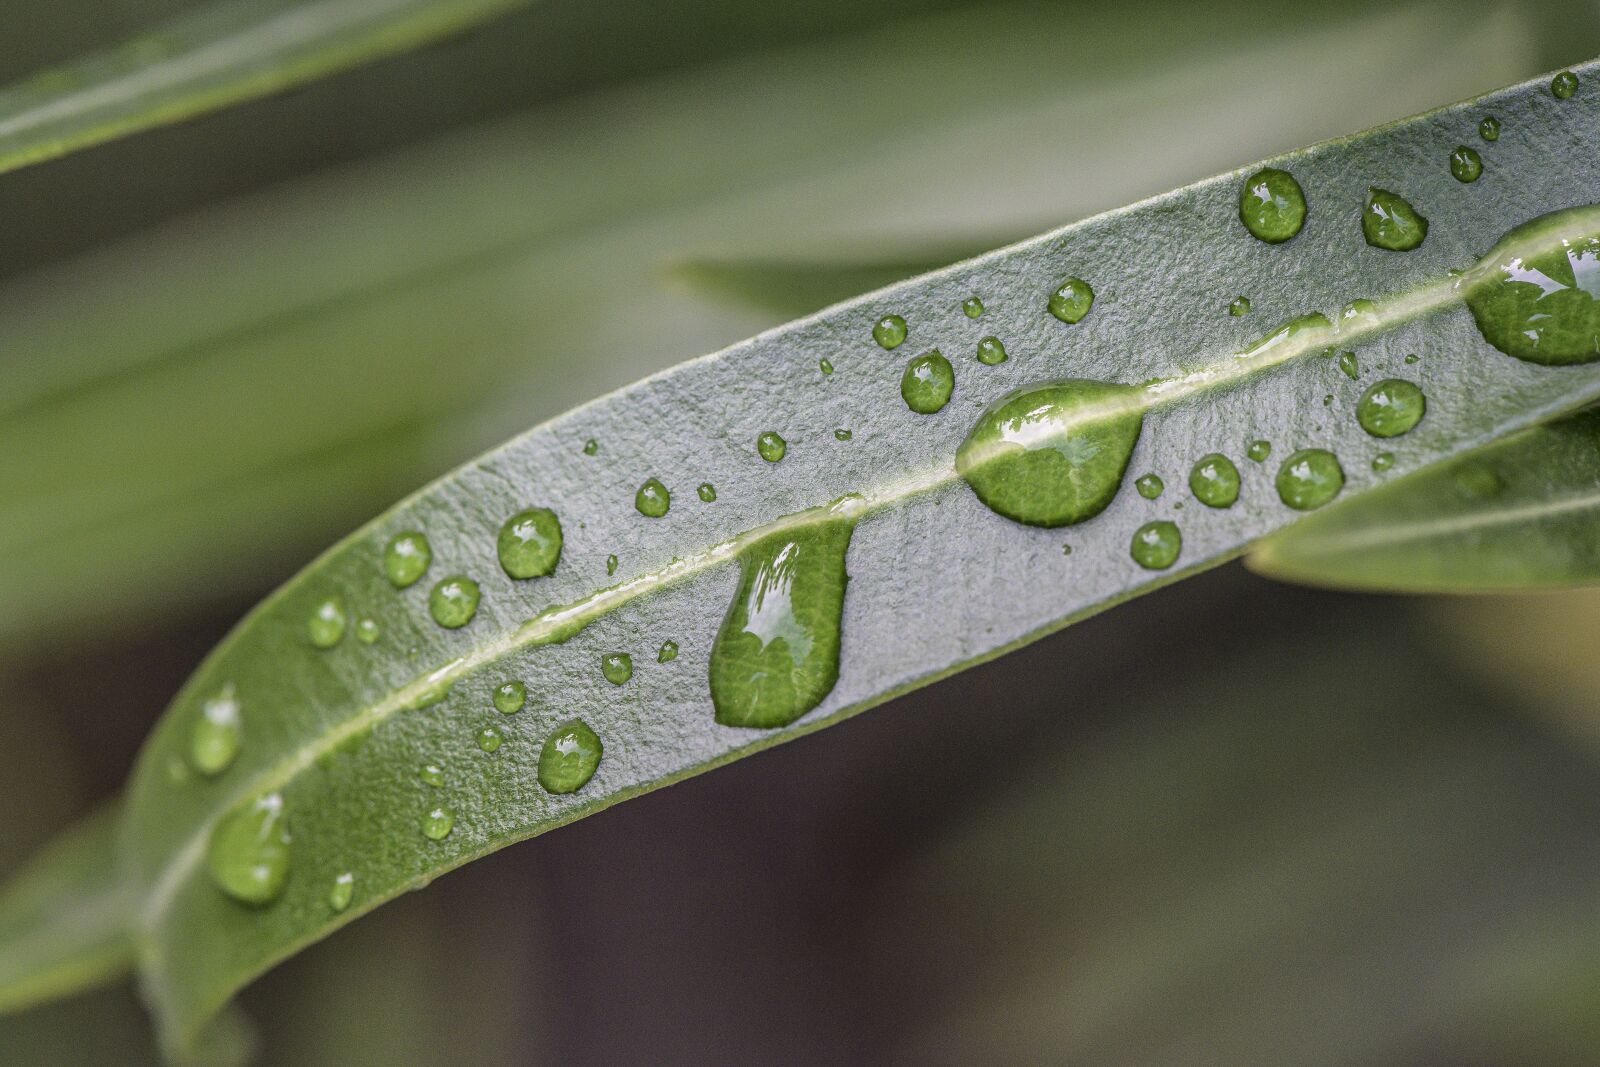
(762, 542)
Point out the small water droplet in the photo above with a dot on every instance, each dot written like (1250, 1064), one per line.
(530, 543)
(1465, 164)
(771, 446)
(489, 738)
(1071, 300)
(1309, 479)
(406, 558)
(1477, 482)
(611, 565)
(617, 667)
(248, 854)
(432, 774)
(1489, 128)
(825, 366)
(1382, 462)
(325, 628)
(1272, 205)
(1053, 454)
(972, 306)
(1066, 550)
(368, 630)
(437, 824)
(927, 382)
(1390, 408)
(1412, 358)
(889, 331)
(569, 757)
(842, 435)
(1214, 481)
(1327, 400)
(652, 499)
(1358, 314)
(668, 652)
(454, 601)
(1348, 364)
(341, 892)
(1563, 85)
(510, 696)
(590, 447)
(1389, 222)
(1150, 486)
(707, 492)
(1259, 451)
(991, 352)
(1238, 306)
(1543, 308)
(217, 732)
(1156, 545)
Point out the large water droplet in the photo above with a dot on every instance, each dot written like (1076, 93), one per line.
(406, 558)
(617, 667)
(1156, 545)
(215, 737)
(454, 601)
(437, 824)
(1563, 85)
(1489, 128)
(1465, 164)
(889, 331)
(569, 757)
(927, 383)
(1214, 481)
(1309, 479)
(1388, 221)
(991, 352)
(1390, 408)
(776, 655)
(1053, 454)
(1071, 300)
(248, 855)
(325, 628)
(1544, 307)
(530, 543)
(1150, 486)
(652, 499)
(341, 892)
(972, 307)
(1272, 205)
(771, 446)
(510, 696)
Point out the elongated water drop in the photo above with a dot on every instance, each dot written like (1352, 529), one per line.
(825, 366)
(1348, 364)
(341, 892)
(927, 382)
(771, 446)
(668, 652)
(707, 492)
(1309, 479)
(889, 331)
(1390, 408)
(617, 667)
(454, 601)
(652, 500)
(972, 307)
(991, 352)
(1563, 85)
(1389, 222)
(611, 565)
(326, 626)
(214, 740)
(437, 823)
(1053, 454)
(569, 758)
(248, 854)
(1071, 300)
(406, 558)
(1412, 358)
(1545, 307)
(1272, 205)
(530, 543)
(776, 655)
(510, 696)
(1465, 164)
(1150, 486)
(1214, 481)
(1259, 451)
(1156, 545)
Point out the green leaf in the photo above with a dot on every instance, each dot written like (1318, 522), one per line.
(380, 755)
(1517, 514)
(221, 55)
(65, 919)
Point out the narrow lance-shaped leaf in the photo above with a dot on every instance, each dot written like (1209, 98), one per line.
(218, 56)
(761, 543)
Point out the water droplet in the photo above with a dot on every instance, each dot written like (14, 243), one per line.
(1359, 315)
(825, 366)
(530, 543)
(214, 739)
(708, 492)
(569, 757)
(776, 655)
(1543, 308)
(1066, 550)
(668, 652)
(437, 824)
(1465, 164)
(1259, 451)
(1053, 454)
(1272, 205)
(611, 565)
(454, 601)
(1390, 408)
(406, 558)
(927, 383)
(652, 499)
(248, 854)
(368, 630)
(1489, 128)
(1389, 222)
(1327, 400)
(510, 696)
(1309, 479)
(342, 890)
(1072, 300)
(489, 738)
(1348, 364)
(1382, 462)
(1150, 486)
(1239, 305)
(842, 435)
(432, 774)
(325, 628)
(1156, 545)
(1214, 481)
(972, 306)
(1563, 85)
(889, 331)
(617, 667)
(771, 446)
(1412, 358)
(1476, 481)
(590, 447)
(991, 352)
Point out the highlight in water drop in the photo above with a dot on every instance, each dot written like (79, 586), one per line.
(489, 738)
(617, 667)
(1389, 222)
(842, 434)
(1382, 462)
(530, 543)
(510, 696)
(1465, 164)
(248, 853)
(325, 627)
(368, 630)
(611, 565)
(406, 558)
(889, 331)
(1309, 479)
(215, 738)
(432, 774)
(569, 758)
(652, 500)
(341, 892)
(590, 447)
(707, 492)
(1156, 545)
(668, 652)
(1259, 451)
(1272, 205)
(1390, 408)
(454, 601)
(771, 446)
(972, 307)
(991, 352)
(1150, 486)
(1214, 481)
(927, 382)
(437, 824)
(1071, 300)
